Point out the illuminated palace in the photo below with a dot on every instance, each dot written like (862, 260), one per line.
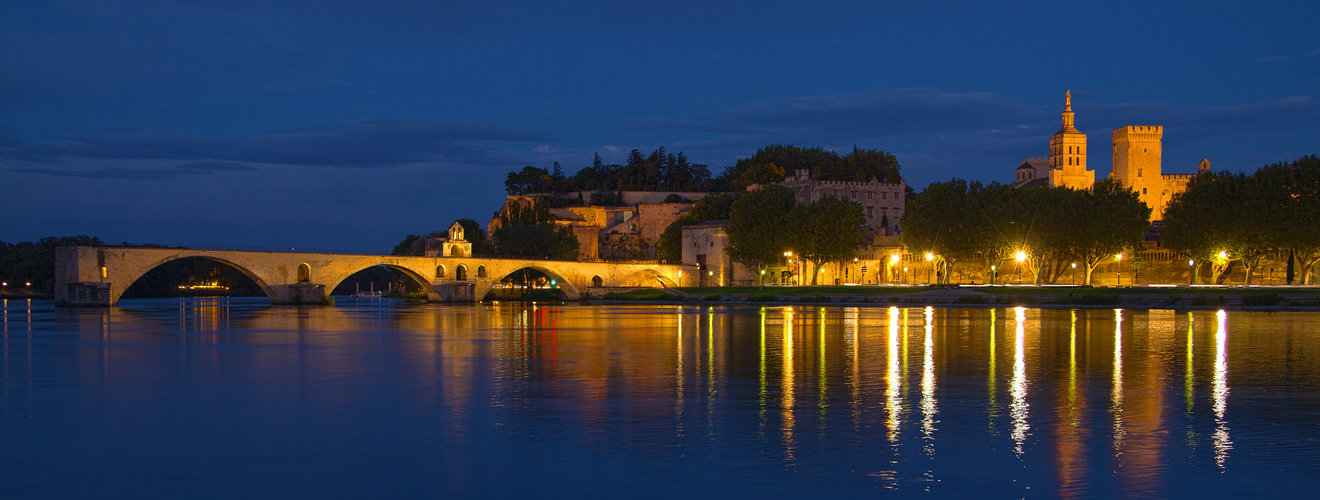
(1137, 163)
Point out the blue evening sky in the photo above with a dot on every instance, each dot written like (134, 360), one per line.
(346, 124)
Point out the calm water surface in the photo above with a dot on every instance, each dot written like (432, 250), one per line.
(187, 398)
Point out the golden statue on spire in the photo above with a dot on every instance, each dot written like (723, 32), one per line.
(1067, 100)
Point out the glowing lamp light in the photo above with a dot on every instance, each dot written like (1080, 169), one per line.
(552, 282)
(27, 283)
(1074, 265)
(1118, 257)
(893, 259)
(1223, 255)
(4, 283)
(929, 256)
(1020, 256)
(992, 268)
(1191, 263)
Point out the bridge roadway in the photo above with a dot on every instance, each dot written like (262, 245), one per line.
(98, 276)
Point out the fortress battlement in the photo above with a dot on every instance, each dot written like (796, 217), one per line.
(1138, 133)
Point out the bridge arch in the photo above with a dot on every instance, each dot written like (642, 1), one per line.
(440, 271)
(118, 290)
(304, 273)
(460, 272)
(414, 275)
(648, 277)
(570, 290)
(597, 281)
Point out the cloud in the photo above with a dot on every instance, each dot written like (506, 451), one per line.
(974, 134)
(216, 166)
(1314, 53)
(1198, 121)
(878, 112)
(111, 173)
(13, 147)
(378, 143)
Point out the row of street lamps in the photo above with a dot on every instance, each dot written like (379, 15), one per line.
(1020, 256)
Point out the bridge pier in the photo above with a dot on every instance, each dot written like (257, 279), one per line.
(299, 293)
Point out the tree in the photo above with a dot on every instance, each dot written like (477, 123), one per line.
(758, 226)
(526, 230)
(939, 221)
(529, 180)
(669, 248)
(34, 262)
(760, 174)
(1301, 211)
(859, 166)
(1103, 222)
(826, 230)
(1227, 218)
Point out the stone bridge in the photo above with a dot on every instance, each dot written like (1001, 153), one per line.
(98, 276)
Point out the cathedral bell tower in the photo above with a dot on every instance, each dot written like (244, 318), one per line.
(1068, 153)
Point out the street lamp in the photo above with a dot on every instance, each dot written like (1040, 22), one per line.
(1118, 272)
(904, 275)
(893, 260)
(1074, 273)
(929, 264)
(1191, 272)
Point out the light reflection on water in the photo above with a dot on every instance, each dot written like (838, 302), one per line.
(661, 400)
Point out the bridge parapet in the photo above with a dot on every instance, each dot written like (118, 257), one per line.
(101, 275)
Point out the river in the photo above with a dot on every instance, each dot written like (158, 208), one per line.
(225, 398)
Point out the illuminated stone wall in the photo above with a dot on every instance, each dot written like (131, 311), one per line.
(276, 273)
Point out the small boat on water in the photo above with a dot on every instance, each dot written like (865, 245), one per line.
(369, 294)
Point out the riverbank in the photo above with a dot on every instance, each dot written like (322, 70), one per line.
(1279, 298)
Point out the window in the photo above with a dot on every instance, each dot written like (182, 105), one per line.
(870, 211)
(1138, 172)
(1143, 190)
(869, 194)
(854, 195)
(836, 192)
(884, 196)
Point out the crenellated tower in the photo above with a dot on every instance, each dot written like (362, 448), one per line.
(1068, 153)
(1137, 163)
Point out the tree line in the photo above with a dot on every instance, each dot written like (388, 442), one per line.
(1045, 229)
(658, 171)
(766, 222)
(1225, 219)
(664, 171)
